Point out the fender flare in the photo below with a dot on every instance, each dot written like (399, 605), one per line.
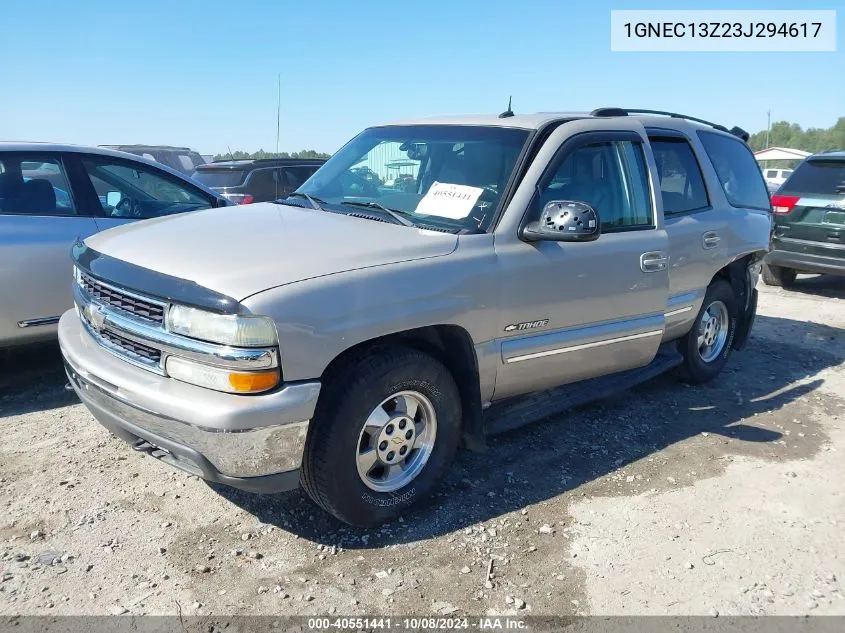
(742, 277)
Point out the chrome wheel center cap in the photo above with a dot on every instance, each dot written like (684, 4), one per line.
(396, 439)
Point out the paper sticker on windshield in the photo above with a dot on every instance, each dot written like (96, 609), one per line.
(449, 201)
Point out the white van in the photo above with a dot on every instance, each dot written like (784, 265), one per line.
(776, 176)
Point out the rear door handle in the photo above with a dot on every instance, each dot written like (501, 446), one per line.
(710, 239)
(653, 261)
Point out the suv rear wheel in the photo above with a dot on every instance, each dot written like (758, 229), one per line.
(707, 346)
(778, 275)
(385, 429)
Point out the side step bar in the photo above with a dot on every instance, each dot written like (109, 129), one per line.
(513, 413)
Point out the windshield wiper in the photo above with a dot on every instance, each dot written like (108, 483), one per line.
(314, 202)
(375, 205)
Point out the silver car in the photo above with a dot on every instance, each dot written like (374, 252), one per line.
(53, 195)
(525, 262)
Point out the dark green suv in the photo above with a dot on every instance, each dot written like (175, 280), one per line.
(809, 227)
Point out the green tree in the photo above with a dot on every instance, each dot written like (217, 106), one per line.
(814, 139)
(241, 155)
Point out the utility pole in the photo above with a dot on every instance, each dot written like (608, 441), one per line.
(279, 113)
(768, 126)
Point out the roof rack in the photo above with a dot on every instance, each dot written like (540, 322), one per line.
(610, 112)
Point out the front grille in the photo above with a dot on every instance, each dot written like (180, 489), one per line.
(147, 310)
(131, 348)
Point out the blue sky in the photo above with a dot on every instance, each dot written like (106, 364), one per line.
(203, 73)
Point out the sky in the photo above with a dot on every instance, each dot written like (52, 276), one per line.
(204, 73)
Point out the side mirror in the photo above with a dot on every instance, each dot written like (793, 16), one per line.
(564, 221)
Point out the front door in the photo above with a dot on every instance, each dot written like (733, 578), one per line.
(40, 220)
(571, 311)
(121, 191)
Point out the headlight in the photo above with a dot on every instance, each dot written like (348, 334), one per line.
(221, 379)
(227, 329)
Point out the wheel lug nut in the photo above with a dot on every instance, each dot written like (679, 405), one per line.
(403, 450)
(408, 435)
(389, 429)
(390, 456)
(383, 445)
(402, 424)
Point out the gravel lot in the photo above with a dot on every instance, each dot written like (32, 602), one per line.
(668, 499)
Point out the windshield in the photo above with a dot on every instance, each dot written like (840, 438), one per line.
(445, 176)
(219, 177)
(816, 176)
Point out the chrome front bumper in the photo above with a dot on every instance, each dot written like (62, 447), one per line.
(249, 442)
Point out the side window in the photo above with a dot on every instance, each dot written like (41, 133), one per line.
(609, 176)
(263, 182)
(185, 163)
(295, 176)
(136, 191)
(32, 184)
(772, 173)
(737, 170)
(189, 162)
(681, 183)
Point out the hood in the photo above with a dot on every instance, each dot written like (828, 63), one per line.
(241, 250)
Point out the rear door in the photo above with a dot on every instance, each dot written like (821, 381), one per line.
(809, 209)
(697, 244)
(40, 219)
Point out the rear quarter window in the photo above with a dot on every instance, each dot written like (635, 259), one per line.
(681, 183)
(219, 177)
(820, 176)
(737, 171)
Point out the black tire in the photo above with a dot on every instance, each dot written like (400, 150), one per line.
(329, 473)
(778, 276)
(695, 369)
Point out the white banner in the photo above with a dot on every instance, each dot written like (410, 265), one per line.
(449, 201)
(723, 30)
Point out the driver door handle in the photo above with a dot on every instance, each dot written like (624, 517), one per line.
(710, 239)
(653, 261)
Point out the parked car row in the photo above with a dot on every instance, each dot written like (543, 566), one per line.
(351, 334)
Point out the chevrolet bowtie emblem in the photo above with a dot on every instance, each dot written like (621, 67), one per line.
(97, 317)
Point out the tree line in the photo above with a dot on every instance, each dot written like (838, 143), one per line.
(813, 139)
(241, 155)
(782, 134)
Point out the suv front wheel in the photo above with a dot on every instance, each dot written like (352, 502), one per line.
(386, 427)
(707, 346)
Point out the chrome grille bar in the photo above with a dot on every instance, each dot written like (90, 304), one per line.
(141, 307)
(146, 343)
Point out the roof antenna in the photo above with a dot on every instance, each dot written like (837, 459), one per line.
(231, 156)
(507, 113)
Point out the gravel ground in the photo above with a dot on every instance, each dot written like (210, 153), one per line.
(667, 499)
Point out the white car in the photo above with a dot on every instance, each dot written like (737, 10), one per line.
(776, 177)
